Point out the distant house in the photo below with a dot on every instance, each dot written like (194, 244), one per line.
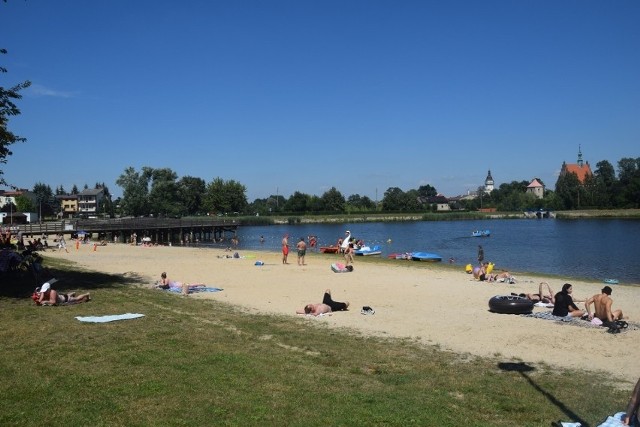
(68, 204)
(581, 169)
(7, 197)
(86, 203)
(90, 201)
(536, 188)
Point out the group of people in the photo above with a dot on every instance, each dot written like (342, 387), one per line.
(301, 247)
(564, 305)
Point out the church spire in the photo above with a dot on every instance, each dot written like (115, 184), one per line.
(580, 162)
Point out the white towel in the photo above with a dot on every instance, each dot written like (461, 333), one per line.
(109, 318)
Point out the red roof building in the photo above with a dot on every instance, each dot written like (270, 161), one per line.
(581, 169)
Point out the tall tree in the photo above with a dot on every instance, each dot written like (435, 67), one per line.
(190, 192)
(333, 200)
(135, 191)
(45, 199)
(163, 196)
(7, 109)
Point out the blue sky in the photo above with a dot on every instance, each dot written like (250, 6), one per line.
(286, 96)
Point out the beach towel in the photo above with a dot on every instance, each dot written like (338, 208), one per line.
(109, 318)
(196, 290)
(631, 326)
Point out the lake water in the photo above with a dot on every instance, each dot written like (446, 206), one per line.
(585, 248)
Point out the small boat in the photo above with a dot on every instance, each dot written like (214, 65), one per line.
(404, 255)
(426, 256)
(366, 250)
(611, 281)
(481, 233)
(329, 249)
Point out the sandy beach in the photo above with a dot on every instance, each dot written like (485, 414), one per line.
(432, 305)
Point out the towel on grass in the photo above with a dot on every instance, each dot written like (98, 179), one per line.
(613, 420)
(109, 318)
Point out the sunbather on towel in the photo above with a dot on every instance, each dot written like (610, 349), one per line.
(46, 295)
(165, 283)
(547, 298)
(328, 305)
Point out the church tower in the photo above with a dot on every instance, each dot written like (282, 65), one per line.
(488, 183)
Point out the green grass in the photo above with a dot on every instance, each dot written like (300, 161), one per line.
(192, 362)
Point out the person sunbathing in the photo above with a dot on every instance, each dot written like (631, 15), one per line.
(327, 305)
(165, 283)
(49, 296)
(547, 298)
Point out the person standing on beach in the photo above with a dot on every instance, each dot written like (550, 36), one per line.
(285, 248)
(480, 254)
(345, 243)
(302, 251)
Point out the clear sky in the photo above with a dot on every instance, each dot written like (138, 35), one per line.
(305, 95)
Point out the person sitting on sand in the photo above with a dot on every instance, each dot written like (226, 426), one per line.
(602, 304)
(632, 416)
(49, 296)
(165, 283)
(547, 298)
(328, 305)
(564, 305)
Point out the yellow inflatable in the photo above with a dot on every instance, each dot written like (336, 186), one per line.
(468, 268)
(490, 267)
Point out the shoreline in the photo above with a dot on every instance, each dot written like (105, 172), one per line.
(427, 304)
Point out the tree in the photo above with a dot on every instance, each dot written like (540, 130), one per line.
(393, 199)
(135, 191)
(225, 196)
(163, 197)
(629, 177)
(297, 203)
(190, 193)
(8, 108)
(24, 204)
(604, 184)
(332, 200)
(45, 200)
(568, 190)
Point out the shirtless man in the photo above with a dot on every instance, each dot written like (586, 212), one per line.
(327, 306)
(602, 304)
(302, 251)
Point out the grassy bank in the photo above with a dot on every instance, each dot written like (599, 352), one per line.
(193, 362)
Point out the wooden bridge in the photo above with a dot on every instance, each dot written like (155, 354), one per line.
(160, 230)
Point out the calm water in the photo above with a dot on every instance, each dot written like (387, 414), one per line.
(591, 248)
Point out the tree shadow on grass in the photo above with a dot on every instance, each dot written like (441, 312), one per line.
(21, 284)
(522, 369)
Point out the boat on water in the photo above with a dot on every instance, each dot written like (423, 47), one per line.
(404, 255)
(426, 256)
(367, 250)
(329, 249)
(481, 233)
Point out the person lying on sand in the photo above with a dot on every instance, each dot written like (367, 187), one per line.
(602, 304)
(166, 283)
(547, 298)
(328, 305)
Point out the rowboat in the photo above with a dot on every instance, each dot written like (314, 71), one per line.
(366, 250)
(329, 249)
(481, 233)
(426, 256)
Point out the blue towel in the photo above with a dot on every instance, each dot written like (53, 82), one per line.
(109, 318)
(193, 290)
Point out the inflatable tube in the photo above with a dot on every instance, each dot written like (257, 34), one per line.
(509, 304)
